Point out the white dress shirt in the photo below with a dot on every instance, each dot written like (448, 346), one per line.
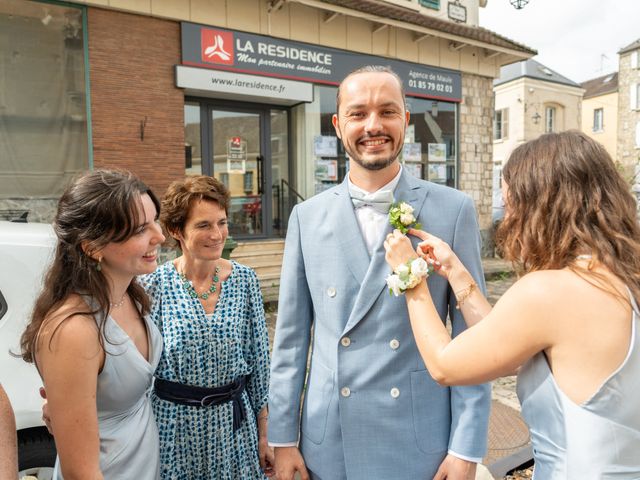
(373, 223)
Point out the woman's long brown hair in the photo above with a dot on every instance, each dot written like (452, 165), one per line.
(97, 208)
(566, 198)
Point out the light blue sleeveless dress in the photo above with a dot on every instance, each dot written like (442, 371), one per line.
(129, 445)
(596, 440)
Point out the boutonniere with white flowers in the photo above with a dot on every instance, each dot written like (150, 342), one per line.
(401, 217)
(408, 275)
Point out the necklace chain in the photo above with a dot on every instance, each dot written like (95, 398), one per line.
(188, 285)
(120, 303)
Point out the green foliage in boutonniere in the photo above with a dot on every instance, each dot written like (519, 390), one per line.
(401, 217)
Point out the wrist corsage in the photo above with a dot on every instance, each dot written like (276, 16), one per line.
(408, 275)
(401, 217)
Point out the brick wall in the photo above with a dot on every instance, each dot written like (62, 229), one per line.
(131, 59)
(476, 150)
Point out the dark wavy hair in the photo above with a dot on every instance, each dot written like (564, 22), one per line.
(97, 208)
(566, 198)
(180, 196)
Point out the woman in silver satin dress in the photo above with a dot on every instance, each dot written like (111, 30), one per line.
(89, 334)
(571, 322)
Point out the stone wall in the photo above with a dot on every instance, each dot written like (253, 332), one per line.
(476, 150)
(628, 154)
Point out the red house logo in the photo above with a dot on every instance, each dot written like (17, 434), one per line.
(216, 46)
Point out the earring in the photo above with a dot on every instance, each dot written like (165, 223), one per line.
(99, 265)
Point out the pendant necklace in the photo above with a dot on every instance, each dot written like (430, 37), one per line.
(188, 285)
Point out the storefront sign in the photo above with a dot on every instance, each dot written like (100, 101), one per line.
(282, 91)
(457, 12)
(236, 155)
(221, 49)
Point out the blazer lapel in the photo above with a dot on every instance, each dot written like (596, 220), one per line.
(346, 230)
(411, 191)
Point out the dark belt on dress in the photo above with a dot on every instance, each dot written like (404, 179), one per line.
(203, 396)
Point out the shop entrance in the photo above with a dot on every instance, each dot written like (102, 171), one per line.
(247, 148)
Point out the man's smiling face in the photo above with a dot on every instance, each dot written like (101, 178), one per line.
(372, 118)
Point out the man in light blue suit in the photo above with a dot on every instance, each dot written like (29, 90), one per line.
(371, 411)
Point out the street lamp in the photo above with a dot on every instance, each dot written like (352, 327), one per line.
(518, 4)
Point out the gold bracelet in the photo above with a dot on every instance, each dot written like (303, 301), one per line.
(464, 294)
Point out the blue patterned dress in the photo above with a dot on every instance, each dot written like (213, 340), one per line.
(210, 351)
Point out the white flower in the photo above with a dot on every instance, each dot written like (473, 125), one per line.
(402, 269)
(412, 281)
(395, 284)
(406, 208)
(407, 219)
(419, 267)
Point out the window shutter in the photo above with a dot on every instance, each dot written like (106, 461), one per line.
(634, 59)
(633, 97)
(638, 135)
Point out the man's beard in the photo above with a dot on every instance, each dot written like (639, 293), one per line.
(373, 165)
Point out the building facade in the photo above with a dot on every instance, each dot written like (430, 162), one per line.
(600, 111)
(240, 89)
(628, 148)
(530, 99)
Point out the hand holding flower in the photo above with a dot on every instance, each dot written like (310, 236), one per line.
(433, 248)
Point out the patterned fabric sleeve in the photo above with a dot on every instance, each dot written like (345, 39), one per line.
(257, 349)
(152, 284)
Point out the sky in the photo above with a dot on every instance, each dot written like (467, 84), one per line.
(579, 39)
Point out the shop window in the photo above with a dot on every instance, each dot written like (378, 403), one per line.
(550, 119)
(43, 101)
(501, 124)
(598, 116)
(430, 149)
(192, 144)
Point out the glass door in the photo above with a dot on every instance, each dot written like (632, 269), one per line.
(238, 161)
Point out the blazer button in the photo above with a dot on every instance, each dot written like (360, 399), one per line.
(395, 393)
(331, 292)
(345, 391)
(345, 341)
(394, 344)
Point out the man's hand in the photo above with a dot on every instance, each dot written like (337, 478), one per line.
(454, 468)
(288, 462)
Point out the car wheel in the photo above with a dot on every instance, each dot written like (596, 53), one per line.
(36, 453)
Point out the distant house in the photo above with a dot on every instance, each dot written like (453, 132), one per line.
(530, 99)
(628, 148)
(600, 111)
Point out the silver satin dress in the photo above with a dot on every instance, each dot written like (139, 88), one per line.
(129, 445)
(596, 440)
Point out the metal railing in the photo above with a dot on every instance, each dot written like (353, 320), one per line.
(286, 197)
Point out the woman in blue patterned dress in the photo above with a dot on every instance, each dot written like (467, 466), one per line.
(210, 397)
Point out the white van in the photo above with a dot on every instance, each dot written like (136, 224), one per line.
(25, 253)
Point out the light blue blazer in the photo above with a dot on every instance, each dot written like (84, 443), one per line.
(371, 410)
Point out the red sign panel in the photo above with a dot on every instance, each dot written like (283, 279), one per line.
(217, 46)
